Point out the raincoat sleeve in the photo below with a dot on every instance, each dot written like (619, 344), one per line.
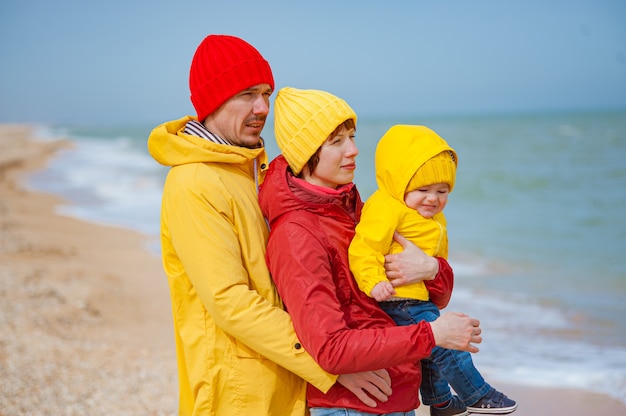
(372, 239)
(440, 288)
(301, 267)
(221, 264)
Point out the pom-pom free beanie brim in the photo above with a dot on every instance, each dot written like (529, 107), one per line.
(440, 168)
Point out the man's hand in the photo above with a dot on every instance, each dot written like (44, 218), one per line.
(412, 265)
(376, 383)
(457, 331)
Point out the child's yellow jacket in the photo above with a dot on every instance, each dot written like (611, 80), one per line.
(400, 152)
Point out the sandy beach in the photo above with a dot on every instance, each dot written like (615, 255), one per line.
(85, 324)
(84, 309)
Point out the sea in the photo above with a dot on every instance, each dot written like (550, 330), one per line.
(536, 225)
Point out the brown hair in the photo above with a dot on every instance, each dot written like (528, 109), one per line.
(315, 159)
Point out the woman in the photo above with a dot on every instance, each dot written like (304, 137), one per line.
(312, 207)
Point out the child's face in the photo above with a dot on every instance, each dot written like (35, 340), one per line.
(428, 200)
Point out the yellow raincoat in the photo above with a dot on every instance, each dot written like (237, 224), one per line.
(237, 352)
(399, 153)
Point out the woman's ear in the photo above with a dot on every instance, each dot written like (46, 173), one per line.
(305, 172)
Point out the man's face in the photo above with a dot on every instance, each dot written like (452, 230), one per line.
(241, 119)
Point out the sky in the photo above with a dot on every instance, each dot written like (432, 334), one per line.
(115, 62)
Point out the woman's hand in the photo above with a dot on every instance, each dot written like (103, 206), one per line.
(412, 265)
(457, 331)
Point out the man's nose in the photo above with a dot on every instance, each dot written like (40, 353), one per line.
(261, 106)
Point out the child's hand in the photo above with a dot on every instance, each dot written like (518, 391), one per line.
(382, 291)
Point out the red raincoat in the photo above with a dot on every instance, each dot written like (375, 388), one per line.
(341, 327)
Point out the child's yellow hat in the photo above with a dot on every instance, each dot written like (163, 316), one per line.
(440, 168)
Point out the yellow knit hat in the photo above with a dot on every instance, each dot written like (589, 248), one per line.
(440, 168)
(303, 120)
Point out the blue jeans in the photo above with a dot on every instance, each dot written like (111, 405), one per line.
(340, 411)
(444, 368)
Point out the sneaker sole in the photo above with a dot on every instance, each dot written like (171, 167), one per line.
(466, 413)
(492, 411)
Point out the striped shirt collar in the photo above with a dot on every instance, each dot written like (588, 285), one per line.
(195, 128)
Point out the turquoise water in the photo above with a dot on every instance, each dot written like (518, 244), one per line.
(537, 238)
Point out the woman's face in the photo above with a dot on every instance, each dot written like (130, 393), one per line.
(337, 161)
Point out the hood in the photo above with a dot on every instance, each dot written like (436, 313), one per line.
(282, 193)
(400, 152)
(169, 146)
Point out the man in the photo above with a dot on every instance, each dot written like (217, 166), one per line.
(236, 348)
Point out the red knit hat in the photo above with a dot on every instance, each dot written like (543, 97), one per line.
(222, 67)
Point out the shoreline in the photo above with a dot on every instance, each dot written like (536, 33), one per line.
(85, 311)
(84, 308)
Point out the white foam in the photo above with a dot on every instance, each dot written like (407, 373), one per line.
(107, 181)
(528, 343)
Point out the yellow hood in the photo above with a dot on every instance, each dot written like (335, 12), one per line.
(169, 146)
(401, 151)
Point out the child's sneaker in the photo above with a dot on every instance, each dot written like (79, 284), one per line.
(493, 403)
(454, 408)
